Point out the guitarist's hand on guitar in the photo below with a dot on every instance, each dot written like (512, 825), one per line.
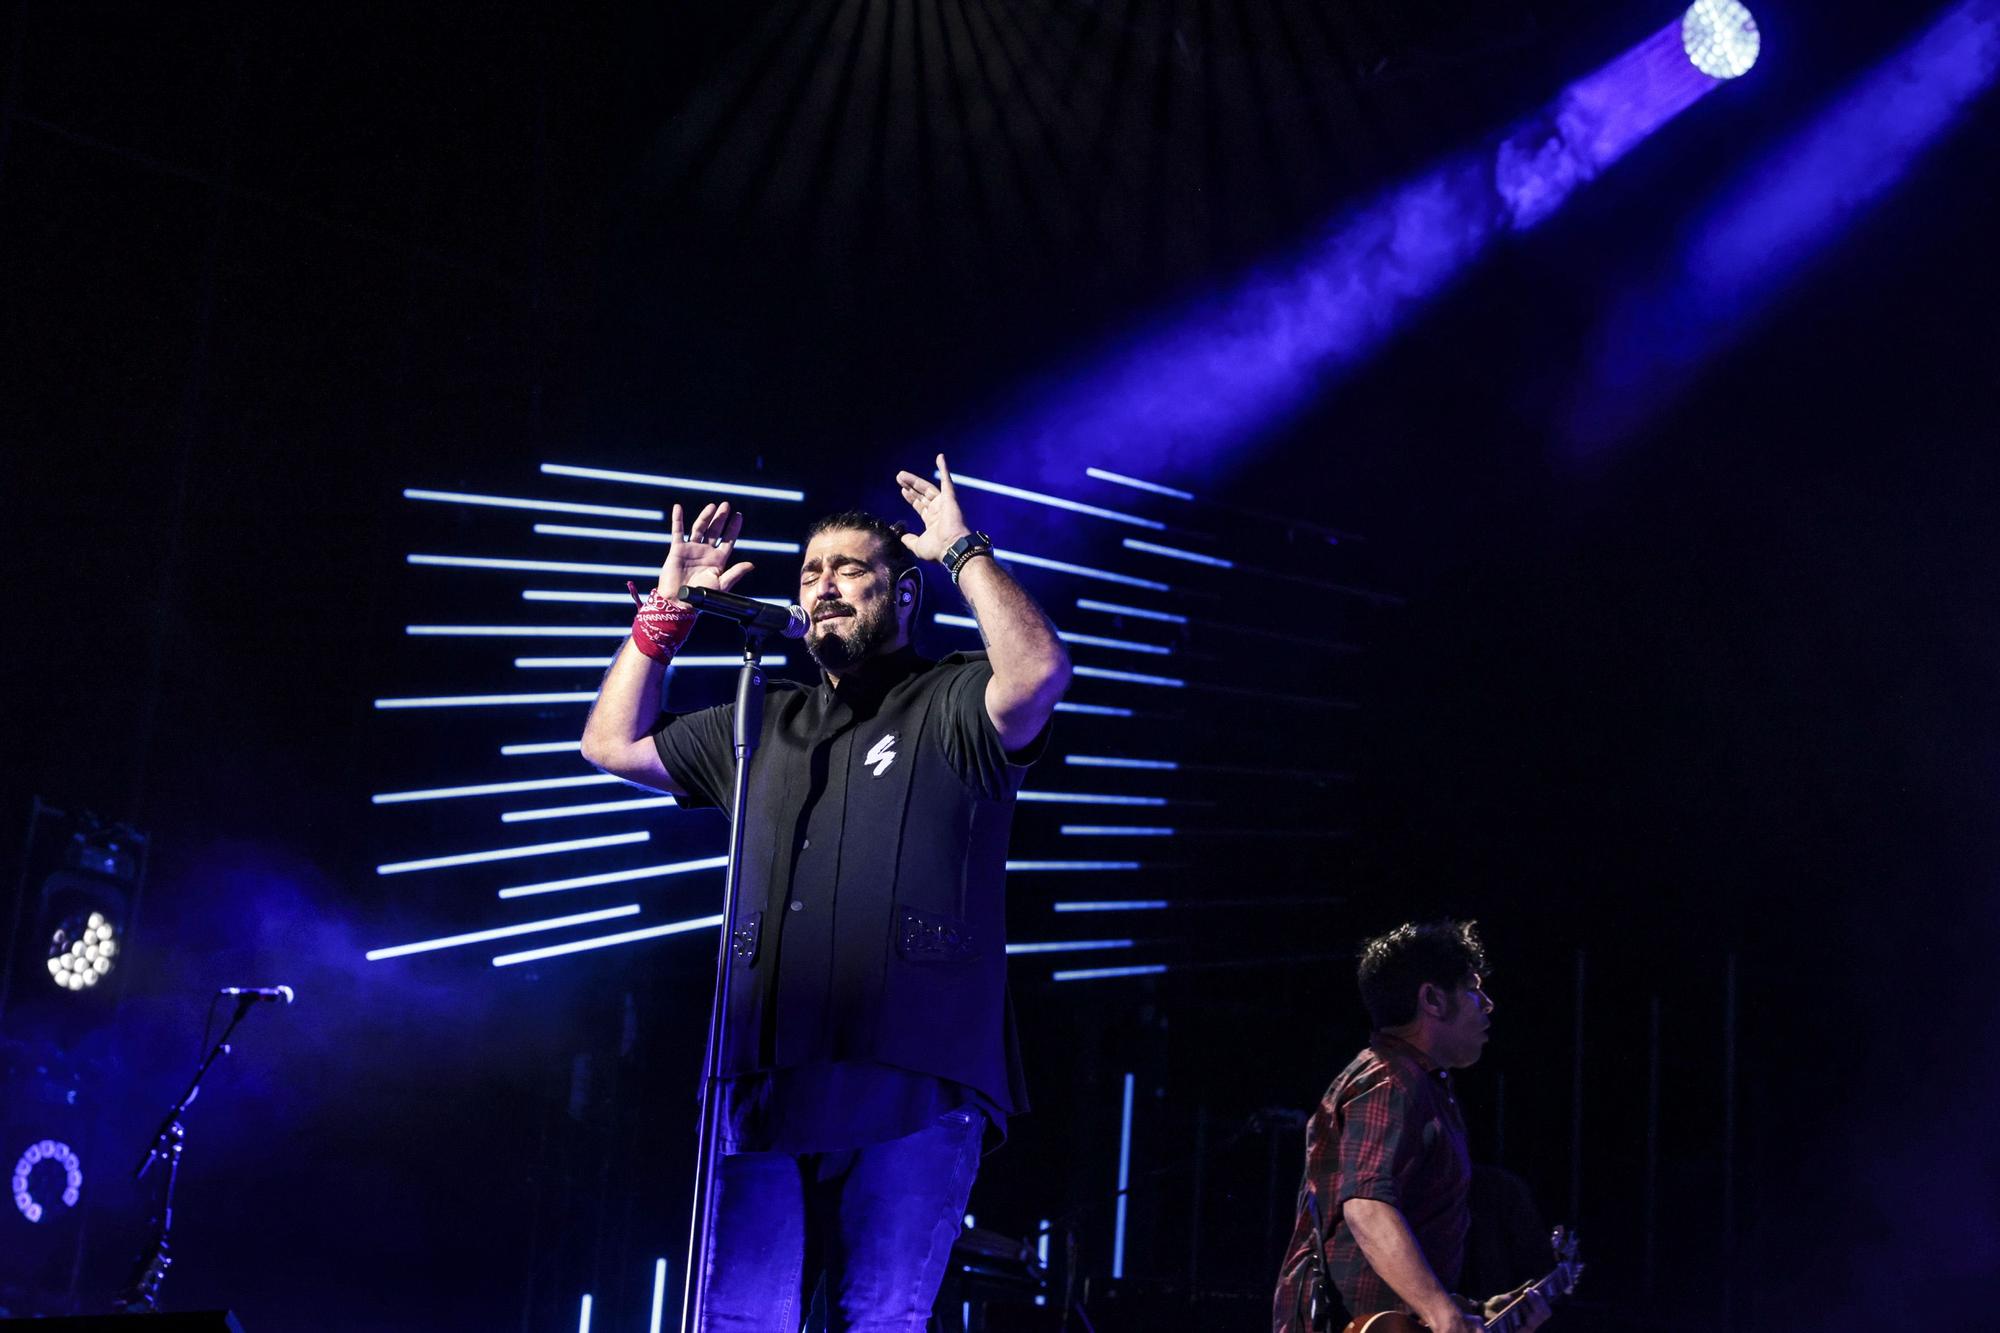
(1535, 1306)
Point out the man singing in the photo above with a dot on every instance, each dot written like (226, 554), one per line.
(871, 1043)
(1386, 1158)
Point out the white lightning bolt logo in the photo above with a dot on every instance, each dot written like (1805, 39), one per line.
(881, 754)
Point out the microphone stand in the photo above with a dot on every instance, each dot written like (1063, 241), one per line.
(749, 725)
(142, 1295)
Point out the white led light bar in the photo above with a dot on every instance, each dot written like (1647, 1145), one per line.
(1095, 710)
(1114, 761)
(679, 483)
(484, 700)
(652, 538)
(1116, 609)
(594, 808)
(1153, 487)
(513, 853)
(1054, 501)
(1115, 905)
(501, 932)
(1136, 678)
(1081, 571)
(607, 941)
(615, 877)
(544, 747)
(537, 566)
(1100, 973)
(1179, 553)
(1088, 798)
(550, 506)
(1116, 831)
(1072, 865)
(1068, 946)
(518, 631)
(490, 789)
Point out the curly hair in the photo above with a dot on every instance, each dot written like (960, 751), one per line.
(1395, 966)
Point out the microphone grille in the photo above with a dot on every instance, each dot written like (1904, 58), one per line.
(797, 622)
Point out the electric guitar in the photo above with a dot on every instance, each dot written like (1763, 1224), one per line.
(1558, 1284)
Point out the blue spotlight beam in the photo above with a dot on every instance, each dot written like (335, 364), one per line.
(1774, 221)
(1225, 373)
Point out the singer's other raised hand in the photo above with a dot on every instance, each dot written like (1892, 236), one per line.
(937, 506)
(699, 553)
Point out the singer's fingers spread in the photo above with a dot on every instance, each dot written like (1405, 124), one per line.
(675, 533)
(944, 476)
(735, 574)
(910, 481)
(734, 528)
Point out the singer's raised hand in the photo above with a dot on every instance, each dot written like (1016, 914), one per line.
(937, 506)
(699, 553)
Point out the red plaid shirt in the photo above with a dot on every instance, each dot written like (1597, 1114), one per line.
(1390, 1129)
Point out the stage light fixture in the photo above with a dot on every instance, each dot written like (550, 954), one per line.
(82, 950)
(1720, 37)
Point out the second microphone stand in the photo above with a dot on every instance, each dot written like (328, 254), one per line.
(749, 725)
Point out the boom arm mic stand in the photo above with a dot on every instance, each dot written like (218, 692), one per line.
(749, 725)
(142, 1295)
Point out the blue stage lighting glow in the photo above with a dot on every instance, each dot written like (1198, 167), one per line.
(490, 789)
(1114, 761)
(1124, 1142)
(594, 808)
(653, 538)
(550, 506)
(659, 1294)
(1768, 226)
(1068, 946)
(678, 483)
(1114, 905)
(1067, 636)
(1100, 973)
(1136, 678)
(1178, 553)
(513, 853)
(536, 566)
(1116, 831)
(615, 877)
(609, 941)
(1120, 479)
(502, 932)
(1055, 501)
(1081, 571)
(486, 700)
(518, 631)
(555, 595)
(1072, 865)
(1088, 798)
(1114, 608)
(1720, 37)
(1094, 710)
(543, 747)
(1196, 388)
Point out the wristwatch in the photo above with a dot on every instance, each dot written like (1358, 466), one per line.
(962, 550)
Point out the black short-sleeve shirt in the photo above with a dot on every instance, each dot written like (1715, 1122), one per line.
(870, 923)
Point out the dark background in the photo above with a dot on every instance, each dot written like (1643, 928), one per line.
(1720, 689)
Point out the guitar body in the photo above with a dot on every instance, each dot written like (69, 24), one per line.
(1554, 1287)
(1389, 1321)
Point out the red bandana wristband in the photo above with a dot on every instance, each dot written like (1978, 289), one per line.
(661, 626)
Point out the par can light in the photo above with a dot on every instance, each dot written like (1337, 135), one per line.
(1720, 37)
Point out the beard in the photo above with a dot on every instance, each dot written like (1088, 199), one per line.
(842, 642)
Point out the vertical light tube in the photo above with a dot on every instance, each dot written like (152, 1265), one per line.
(583, 1318)
(1124, 1182)
(659, 1293)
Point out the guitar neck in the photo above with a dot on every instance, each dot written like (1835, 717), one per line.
(1510, 1320)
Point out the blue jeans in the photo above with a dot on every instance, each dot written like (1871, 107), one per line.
(879, 1221)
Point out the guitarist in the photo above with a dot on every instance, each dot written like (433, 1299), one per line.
(1386, 1159)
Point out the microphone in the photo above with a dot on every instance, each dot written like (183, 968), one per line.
(277, 994)
(754, 616)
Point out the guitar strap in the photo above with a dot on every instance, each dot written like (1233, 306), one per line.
(1319, 1311)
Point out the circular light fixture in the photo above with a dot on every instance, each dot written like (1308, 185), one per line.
(48, 1150)
(1720, 37)
(82, 950)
